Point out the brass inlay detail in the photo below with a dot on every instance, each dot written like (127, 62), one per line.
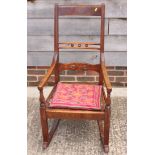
(95, 9)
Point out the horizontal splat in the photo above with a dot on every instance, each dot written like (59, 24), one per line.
(79, 45)
(79, 66)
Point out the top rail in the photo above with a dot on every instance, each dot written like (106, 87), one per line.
(79, 10)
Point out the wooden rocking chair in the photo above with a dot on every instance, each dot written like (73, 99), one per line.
(75, 100)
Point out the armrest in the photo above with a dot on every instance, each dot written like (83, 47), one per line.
(106, 78)
(49, 72)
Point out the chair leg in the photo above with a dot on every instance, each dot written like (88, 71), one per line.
(53, 129)
(47, 136)
(106, 128)
(44, 124)
(101, 130)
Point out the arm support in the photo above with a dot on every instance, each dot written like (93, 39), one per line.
(106, 78)
(45, 79)
(107, 83)
(50, 71)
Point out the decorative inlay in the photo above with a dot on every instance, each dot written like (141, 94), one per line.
(80, 45)
(95, 9)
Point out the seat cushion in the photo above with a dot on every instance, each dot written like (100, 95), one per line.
(76, 96)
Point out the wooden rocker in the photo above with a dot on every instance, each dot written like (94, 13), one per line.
(77, 100)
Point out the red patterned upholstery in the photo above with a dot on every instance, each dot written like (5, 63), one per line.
(76, 96)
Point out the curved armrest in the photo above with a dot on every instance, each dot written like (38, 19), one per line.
(48, 74)
(106, 78)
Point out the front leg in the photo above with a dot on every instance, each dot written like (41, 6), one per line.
(107, 122)
(47, 136)
(106, 128)
(44, 120)
(44, 125)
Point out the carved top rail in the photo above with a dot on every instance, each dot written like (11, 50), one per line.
(79, 45)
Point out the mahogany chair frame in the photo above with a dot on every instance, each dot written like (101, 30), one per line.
(56, 67)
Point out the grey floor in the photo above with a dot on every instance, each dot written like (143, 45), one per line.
(78, 137)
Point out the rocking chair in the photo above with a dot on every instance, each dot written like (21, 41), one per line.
(77, 100)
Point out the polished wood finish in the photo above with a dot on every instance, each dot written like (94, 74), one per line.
(49, 72)
(51, 133)
(44, 124)
(81, 10)
(84, 48)
(101, 130)
(56, 41)
(46, 112)
(105, 77)
(79, 66)
(74, 114)
(89, 43)
(80, 45)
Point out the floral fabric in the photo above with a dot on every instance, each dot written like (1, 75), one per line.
(77, 96)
